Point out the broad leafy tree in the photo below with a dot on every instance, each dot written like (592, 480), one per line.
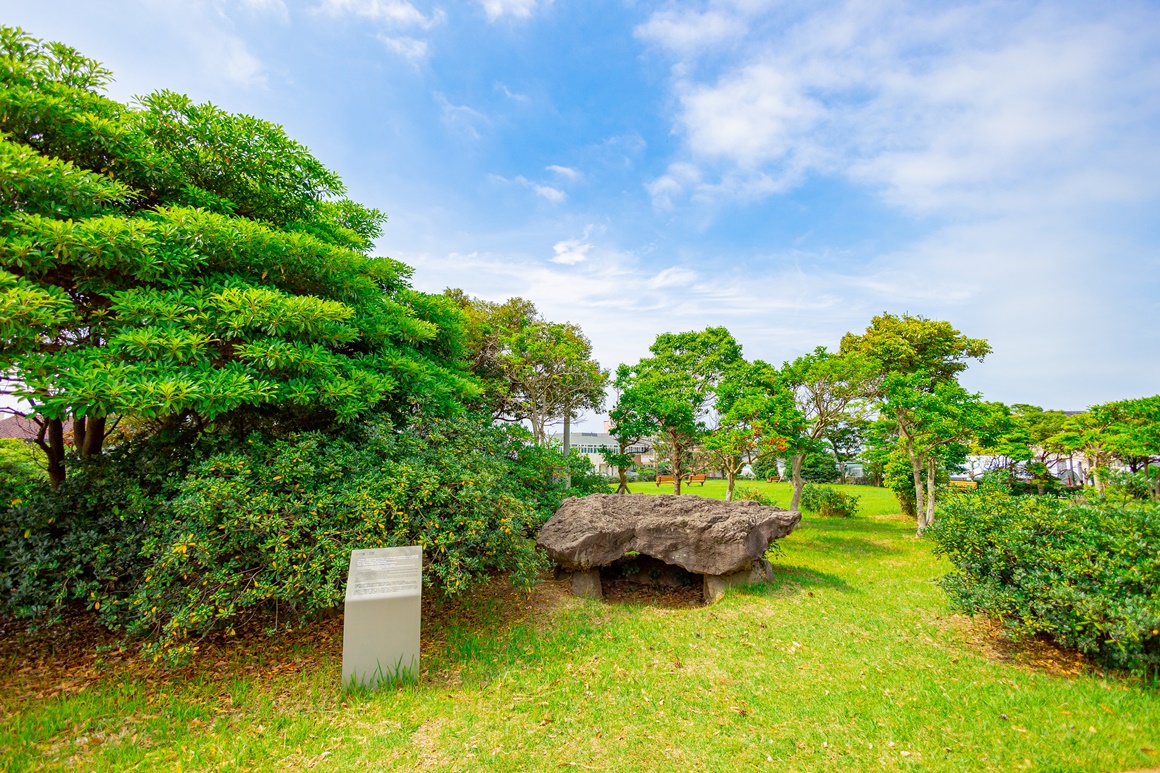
(915, 363)
(677, 386)
(755, 414)
(828, 389)
(533, 370)
(173, 261)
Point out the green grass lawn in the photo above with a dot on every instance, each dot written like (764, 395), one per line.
(849, 661)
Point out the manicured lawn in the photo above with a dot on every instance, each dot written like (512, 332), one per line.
(849, 661)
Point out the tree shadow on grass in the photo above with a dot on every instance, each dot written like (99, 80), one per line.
(855, 546)
(789, 580)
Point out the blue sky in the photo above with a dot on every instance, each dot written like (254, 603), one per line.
(785, 169)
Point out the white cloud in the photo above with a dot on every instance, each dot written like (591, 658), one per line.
(563, 171)
(554, 195)
(571, 252)
(397, 13)
(509, 93)
(519, 9)
(674, 276)
(411, 49)
(977, 106)
(271, 7)
(460, 117)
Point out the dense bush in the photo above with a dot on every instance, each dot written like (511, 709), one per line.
(1087, 575)
(170, 548)
(820, 468)
(646, 474)
(753, 495)
(827, 501)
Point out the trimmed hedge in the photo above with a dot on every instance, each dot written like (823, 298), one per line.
(1086, 575)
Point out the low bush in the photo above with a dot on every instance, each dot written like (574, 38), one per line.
(169, 549)
(820, 468)
(827, 501)
(753, 495)
(646, 474)
(1085, 575)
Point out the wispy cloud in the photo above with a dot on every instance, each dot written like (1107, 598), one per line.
(503, 89)
(519, 9)
(398, 13)
(460, 117)
(565, 172)
(411, 49)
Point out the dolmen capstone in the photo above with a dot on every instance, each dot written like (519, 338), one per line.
(725, 542)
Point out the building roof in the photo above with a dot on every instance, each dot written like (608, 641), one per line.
(24, 428)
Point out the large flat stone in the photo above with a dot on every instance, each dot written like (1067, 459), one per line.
(703, 536)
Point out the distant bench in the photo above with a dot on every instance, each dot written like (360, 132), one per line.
(963, 484)
(686, 478)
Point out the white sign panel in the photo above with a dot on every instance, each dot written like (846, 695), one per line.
(380, 638)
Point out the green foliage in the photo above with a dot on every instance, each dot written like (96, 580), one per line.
(828, 501)
(20, 470)
(174, 261)
(753, 495)
(765, 466)
(268, 523)
(1083, 574)
(819, 467)
(532, 369)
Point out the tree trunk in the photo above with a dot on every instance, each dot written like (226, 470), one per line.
(675, 461)
(838, 461)
(51, 441)
(926, 516)
(729, 487)
(567, 442)
(795, 464)
(916, 465)
(94, 439)
(622, 473)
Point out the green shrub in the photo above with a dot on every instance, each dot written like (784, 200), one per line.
(21, 469)
(168, 549)
(646, 474)
(820, 468)
(1084, 574)
(753, 495)
(827, 501)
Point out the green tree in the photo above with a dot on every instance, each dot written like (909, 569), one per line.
(828, 389)
(915, 364)
(533, 370)
(755, 413)
(677, 386)
(631, 423)
(173, 261)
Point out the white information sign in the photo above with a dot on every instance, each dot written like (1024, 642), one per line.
(380, 638)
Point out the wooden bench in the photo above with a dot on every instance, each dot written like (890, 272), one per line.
(962, 484)
(664, 479)
(773, 479)
(695, 479)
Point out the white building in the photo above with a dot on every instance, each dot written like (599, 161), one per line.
(593, 444)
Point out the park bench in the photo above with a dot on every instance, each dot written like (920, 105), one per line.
(664, 479)
(773, 479)
(695, 479)
(963, 484)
